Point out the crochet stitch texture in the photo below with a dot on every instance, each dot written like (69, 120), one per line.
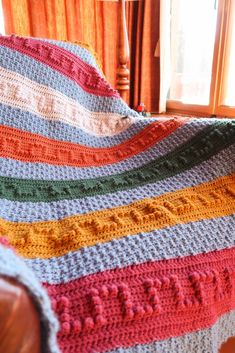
(126, 222)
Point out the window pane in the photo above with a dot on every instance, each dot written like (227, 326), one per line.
(2, 28)
(193, 26)
(229, 88)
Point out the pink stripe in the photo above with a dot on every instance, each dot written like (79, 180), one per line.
(63, 61)
(144, 303)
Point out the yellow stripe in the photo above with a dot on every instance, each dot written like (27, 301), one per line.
(55, 238)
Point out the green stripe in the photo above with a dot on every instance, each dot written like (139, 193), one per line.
(198, 149)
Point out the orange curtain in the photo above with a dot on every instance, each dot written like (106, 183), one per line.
(96, 23)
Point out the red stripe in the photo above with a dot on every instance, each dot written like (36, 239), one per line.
(29, 147)
(146, 302)
(63, 61)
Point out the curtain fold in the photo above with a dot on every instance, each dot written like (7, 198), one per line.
(96, 23)
(143, 32)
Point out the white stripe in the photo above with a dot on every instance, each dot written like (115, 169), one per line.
(20, 92)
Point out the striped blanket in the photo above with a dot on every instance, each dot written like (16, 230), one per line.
(123, 227)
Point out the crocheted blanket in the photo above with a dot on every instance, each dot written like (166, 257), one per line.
(125, 223)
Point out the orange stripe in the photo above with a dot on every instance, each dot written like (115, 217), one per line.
(29, 147)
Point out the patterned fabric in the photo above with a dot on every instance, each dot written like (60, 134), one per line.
(127, 222)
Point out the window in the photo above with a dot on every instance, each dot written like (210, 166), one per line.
(2, 28)
(202, 36)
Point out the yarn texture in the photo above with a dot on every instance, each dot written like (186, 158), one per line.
(121, 227)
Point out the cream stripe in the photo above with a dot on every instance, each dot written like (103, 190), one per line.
(22, 93)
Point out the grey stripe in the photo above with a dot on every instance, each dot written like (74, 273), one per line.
(44, 74)
(27, 121)
(219, 165)
(207, 340)
(17, 169)
(171, 242)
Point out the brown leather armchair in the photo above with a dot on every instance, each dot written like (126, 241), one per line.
(20, 323)
(19, 320)
(229, 346)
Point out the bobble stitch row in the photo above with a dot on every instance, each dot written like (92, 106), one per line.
(136, 216)
(125, 296)
(152, 216)
(117, 220)
(186, 206)
(216, 197)
(152, 288)
(95, 298)
(230, 191)
(131, 312)
(218, 286)
(229, 282)
(61, 306)
(178, 290)
(95, 224)
(169, 205)
(27, 44)
(196, 279)
(97, 304)
(92, 188)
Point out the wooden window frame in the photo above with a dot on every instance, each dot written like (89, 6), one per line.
(219, 70)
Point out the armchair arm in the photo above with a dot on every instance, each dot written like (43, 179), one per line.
(27, 321)
(19, 319)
